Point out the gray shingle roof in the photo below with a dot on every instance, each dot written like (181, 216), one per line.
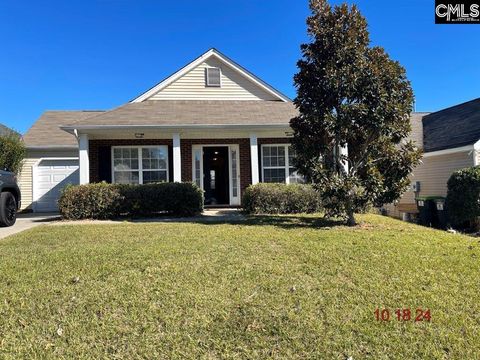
(453, 127)
(46, 131)
(194, 112)
(5, 130)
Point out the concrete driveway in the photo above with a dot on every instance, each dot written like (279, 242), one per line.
(27, 221)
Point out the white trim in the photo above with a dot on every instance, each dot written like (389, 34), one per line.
(476, 146)
(83, 160)
(140, 157)
(177, 159)
(234, 200)
(254, 158)
(212, 53)
(196, 147)
(35, 175)
(476, 153)
(449, 151)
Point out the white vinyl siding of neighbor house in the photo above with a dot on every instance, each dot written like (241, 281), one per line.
(433, 174)
(192, 86)
(435, 171)
(25, 176)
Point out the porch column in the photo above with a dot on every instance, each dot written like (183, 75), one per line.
(254, 158)
(344, 152)
(177, 159)
(84, 162)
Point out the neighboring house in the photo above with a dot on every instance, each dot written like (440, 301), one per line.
(450, 140)
(4, 130)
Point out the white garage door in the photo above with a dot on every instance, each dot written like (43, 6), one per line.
(49, 178)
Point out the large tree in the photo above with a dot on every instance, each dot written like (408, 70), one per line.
(354, 107)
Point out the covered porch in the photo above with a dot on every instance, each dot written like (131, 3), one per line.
(221, 160)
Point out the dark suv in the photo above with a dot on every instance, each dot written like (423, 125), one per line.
(9, 198)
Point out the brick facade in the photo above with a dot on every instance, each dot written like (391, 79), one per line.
(100, 155)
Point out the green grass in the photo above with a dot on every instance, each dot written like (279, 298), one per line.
(286, 287)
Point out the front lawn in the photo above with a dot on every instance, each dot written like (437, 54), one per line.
(271, 288)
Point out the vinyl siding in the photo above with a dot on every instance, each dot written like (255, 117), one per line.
(25, 177)
(191, 86)
(433, 174)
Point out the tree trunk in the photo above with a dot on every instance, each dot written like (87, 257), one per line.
(351, 218)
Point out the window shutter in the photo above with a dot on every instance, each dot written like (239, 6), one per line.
(213, 77)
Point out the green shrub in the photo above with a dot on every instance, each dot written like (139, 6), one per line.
(266, 198)
(183, 199)
(92, 201)
(463, 197)
(107, 201)
(12, 152)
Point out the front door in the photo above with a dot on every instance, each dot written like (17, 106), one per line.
(215, 175)
(216, 170)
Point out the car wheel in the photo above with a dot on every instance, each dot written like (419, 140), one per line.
(8, 209)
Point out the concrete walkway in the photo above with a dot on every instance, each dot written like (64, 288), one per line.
(209, 215)
(28, 221)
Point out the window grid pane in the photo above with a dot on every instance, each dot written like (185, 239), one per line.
(274, 175)
(126, 166)
(274, 163)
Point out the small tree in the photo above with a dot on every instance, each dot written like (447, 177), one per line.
(12, 152)
(354, 104)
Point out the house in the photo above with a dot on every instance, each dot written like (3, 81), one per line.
(212, 122)
(450, 140)
(4, 130)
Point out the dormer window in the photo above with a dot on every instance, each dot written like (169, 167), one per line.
(213, 77)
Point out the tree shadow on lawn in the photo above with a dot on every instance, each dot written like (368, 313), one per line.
(293, 221)
(283, 221)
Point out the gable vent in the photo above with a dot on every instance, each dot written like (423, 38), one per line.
(213, 77)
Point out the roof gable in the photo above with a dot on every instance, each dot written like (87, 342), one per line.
(188, 83)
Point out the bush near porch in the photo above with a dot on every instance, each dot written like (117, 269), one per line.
(108, 201)
(266, 198)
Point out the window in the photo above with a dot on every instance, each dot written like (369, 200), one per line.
(140, 165)
(277, 164)
(213, 77)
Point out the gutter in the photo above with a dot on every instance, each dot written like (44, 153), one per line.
(52, 147)
(450, 151)
(74, 129)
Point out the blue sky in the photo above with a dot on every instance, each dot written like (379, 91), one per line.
(101, 54)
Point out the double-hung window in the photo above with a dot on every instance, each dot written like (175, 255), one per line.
(277, 164)
(139, 164)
